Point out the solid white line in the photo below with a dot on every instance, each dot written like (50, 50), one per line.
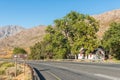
(107, 77)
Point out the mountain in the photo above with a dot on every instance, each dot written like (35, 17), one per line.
(105, 19)
(9, 30)
(14, 36)
(25, 38)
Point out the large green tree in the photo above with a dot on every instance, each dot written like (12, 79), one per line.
(71, 33)
(111, 40)
(68, 36)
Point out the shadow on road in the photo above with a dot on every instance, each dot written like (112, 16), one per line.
(41, 77)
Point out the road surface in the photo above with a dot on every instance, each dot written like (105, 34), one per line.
(76, 70)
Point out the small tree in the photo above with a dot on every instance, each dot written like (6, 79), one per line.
(18, 50)
(37, 51)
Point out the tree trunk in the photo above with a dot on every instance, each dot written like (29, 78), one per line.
(76, 56)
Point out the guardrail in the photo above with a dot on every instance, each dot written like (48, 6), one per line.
(34, 72)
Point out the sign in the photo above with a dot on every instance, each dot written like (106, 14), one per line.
(21, 56)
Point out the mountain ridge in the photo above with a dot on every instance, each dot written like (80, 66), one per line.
(9, 30)
(28, 37)
(25, 38)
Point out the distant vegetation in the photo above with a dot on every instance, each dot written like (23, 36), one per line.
(37, 51)
(67, 37)
(19, 50)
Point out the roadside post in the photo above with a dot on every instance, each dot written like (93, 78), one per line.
(20, 56)
(15, 56)
(24, 57)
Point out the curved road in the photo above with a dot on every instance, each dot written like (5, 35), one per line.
(76, 71)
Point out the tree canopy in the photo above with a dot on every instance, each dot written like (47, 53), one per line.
(111, 40)
(69, 34)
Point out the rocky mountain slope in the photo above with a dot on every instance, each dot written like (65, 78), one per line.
(25, 38)
(106, 19)
(9, 30)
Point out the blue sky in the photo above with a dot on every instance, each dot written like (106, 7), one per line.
(30, 13)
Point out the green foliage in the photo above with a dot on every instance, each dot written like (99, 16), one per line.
(71, 33)
(111, 40)
(68, 35)
(18, 50)
(37, 51)
(2, 71)
(56, 44)
(4, 66)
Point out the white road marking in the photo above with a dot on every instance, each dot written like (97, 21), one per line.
(54, 75)
(107, 77)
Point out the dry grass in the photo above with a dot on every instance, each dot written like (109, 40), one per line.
(20, 74)
(106, 19)
(24, 76)
(25, 38)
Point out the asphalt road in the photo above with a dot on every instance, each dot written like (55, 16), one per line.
(76, 71)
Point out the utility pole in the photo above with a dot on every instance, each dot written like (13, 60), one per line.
(24, 67)
(24, 57)
(15, 65)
